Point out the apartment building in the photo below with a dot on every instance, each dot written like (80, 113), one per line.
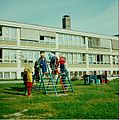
(85, 52)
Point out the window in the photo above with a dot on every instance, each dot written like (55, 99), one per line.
(80, 73)
(70, 58)
(106, 59)
(6, 54)
(115, 59)
(13, 75)
(73, 40)
(1, 74)
(84, 72)
(115, 44)
(7, 75)
(13, 33)
(9, 33)
(60, 39)
(75, 61)
(70, 40)
(93, 42)
(83, 38)
(105, 43)
(52, 40)
(83, 58)
(36, 55)
(30, 56)
(71, 73)
(13, 56)
(0, 30)
(41, 37)
(47, 40)
(0, 55)
(90, 59)
(79, 59)
(9, 56)
(6, 33)
(65, 39)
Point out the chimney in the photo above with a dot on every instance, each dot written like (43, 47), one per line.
(66, 22)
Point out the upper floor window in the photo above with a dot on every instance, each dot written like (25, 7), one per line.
(93, 42)
(0, 31)
(8, 56)
(9, 33)
(115, 59)
(47, 40)
(71, 40)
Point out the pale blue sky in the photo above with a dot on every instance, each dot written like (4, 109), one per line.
(97, 16)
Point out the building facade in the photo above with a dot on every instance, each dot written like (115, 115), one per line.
(84, 52)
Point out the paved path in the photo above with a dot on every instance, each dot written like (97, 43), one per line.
(5, 82)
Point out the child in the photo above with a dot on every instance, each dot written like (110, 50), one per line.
(42, 63)
(62, 61)
(36, 72)
(25, 79)
(63, 70)
(28, 80)
(54, 63)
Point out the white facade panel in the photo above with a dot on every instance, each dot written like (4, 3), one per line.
(29, 34)
(105, 43)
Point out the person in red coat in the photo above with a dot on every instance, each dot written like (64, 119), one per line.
(62, 61)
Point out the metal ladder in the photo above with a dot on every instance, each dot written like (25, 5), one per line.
(47, 82)
(65, 82)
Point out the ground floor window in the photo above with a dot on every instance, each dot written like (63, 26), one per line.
(0, 55)
(13, 75)
(1, 74)
(7, 75)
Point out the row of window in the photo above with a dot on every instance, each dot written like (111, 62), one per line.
(32, 36)
(74, 58)
(42, 40)
(71, 40)
(81, 73)
(98, 59)
(8, 75)
(10, 56)
(13, 75)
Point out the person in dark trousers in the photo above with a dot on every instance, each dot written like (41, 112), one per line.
(62, 61)
(25, 80)
(54, 63)
(36, 72)
(42, 63)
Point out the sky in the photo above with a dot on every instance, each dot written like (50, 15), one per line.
(95, 16)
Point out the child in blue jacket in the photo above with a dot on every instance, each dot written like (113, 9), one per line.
(42, 63)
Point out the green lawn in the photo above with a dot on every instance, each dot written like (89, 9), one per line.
(87, 102)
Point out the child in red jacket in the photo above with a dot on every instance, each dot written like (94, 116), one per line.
(62, 61)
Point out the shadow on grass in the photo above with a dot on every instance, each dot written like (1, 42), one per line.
(117, 93)
(13, 93)
(15, 90)
(81, 84)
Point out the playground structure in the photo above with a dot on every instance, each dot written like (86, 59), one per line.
(95, 79)
(51, 82)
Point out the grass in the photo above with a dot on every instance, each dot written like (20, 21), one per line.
(87, 102)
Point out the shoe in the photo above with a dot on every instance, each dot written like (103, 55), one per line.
(29, 95)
